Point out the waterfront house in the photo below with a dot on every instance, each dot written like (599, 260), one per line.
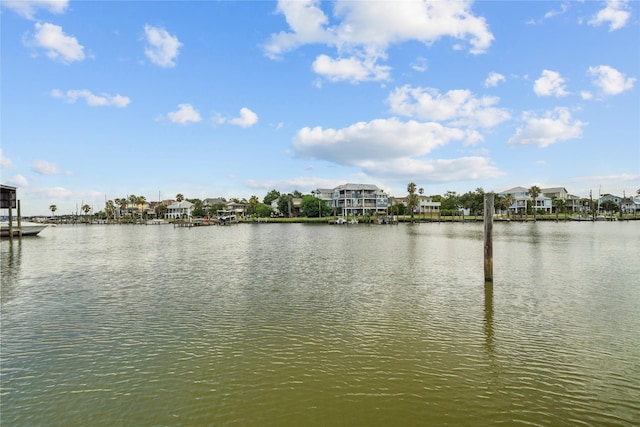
(237, 209)
(359, 199)
(542, 202)
(426, 206)
(179, 210)
(630, 205)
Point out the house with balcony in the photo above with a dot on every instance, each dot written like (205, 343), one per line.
(180, 210)
(521, 196)
(359, 199)
(426, 206)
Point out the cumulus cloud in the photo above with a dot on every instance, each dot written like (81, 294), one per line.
(185, 114)
(364, 30)
(29, 8)
(436, 170)
(351, 69)
(104, 100)
(5, 162)
(493, 79)
(586, 95)
(18, 181)
(554, 126)
(610, 80)
(247, 118)
(459, 107)
(550, 83)
(387, 147)
(616, 14)
(162, 48)
(59, 46)
(45, 168)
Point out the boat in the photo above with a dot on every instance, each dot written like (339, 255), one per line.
(28, 228)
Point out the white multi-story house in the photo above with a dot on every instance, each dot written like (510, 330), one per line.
(177, 210)
(521, 196)
(359, 199)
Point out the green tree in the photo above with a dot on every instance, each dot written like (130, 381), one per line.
(110, 210)
(285, 204)
(179, 197)
(53, 209)
(213, 209)
(253, 204)
(122, 205)
(86, 208)
(507, 201)
(534, 192)
(263, 210)
(140, 201)
(312, 207)
(198, 208)
(270, 197)
(412, 198)
(560, 205)
(609, 206)
(421, 192)
(161, 210)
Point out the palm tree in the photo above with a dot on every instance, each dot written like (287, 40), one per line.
(110, 209)
(86, 208)
(411, 200)
(421, 191)
(253, 203)
(161, 210)
(507, 201)
(53, 209)
(179, 197)
(534, 192)
(122, 203)
(560, 205)
(140, 200)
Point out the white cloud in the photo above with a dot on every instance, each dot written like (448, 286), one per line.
(364, 31)
(616, 13)
(550, 84)
(29, 8)
(377, 140)
(586, 95)
(610, 80)
(420, 65)
(563, 8)
(554, 126)
(18, 181)
(392, 148)
(105, 100)
(459, 107)
(435, 170)
(185, 114)
(247, 118)
(45, 168)
(351, 69)
(163, 48)
(59, 46)
(493, 79)
(5, 162)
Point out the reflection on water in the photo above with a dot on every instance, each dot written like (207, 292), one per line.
(321, 325)
(488, 316)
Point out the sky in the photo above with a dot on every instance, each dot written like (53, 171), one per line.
(103, 99)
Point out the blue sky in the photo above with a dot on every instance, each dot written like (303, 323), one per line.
(102, 99)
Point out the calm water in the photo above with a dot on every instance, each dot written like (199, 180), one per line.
(302, 325)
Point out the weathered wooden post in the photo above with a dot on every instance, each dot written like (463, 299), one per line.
(488, 238)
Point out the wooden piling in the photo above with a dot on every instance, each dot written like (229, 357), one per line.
(488, 237)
